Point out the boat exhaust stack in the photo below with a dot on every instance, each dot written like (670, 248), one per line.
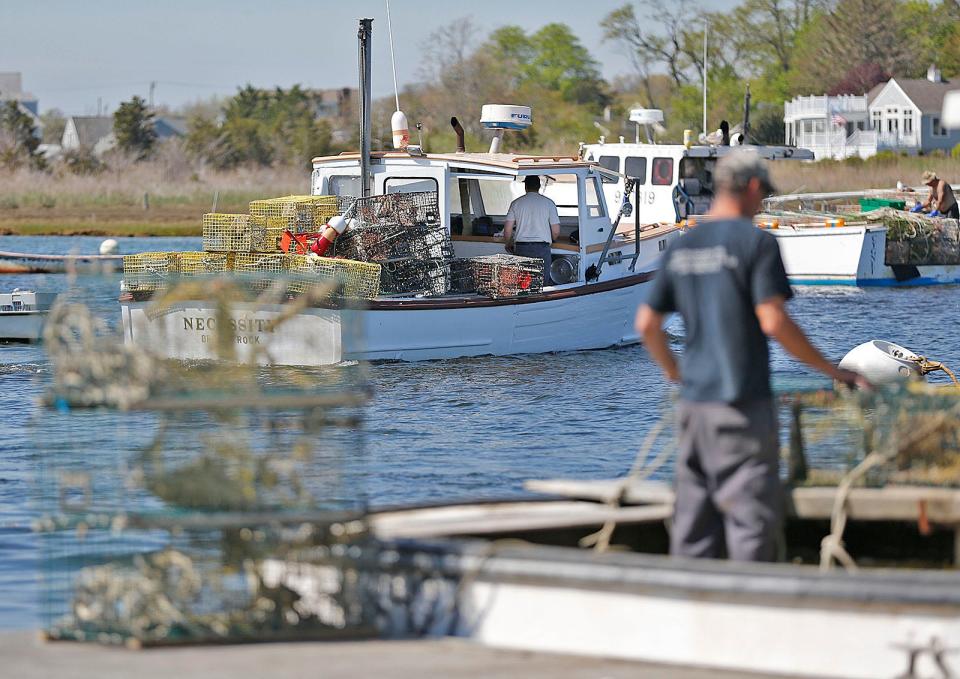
(458, 128)
(363, 38)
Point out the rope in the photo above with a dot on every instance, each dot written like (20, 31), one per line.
(393, 59)
(831, 547)
(926, 367)
(640, 470)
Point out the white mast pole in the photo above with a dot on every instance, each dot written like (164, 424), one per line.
(704, 77)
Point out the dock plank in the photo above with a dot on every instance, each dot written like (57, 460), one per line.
(891, 503)
(27, 658)
(494, 518)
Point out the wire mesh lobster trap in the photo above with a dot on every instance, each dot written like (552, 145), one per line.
(202, 264)
(225, 504)
(420, 208)
(261, 270)
(901, 434)
(424, 277)
(226, 232)
(148, 271)
(462, 280)
(299, 214)
(507, 275)
(384, 243)
(352, 279)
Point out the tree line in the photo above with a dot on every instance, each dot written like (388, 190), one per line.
(781, 48)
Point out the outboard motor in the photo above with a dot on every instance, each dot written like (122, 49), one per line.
(884, 362)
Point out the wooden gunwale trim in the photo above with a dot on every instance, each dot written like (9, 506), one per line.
(430, 303)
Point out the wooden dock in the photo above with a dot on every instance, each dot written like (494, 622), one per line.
(25, 656)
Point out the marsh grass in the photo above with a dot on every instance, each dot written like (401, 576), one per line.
(881, 172)
(112, 202)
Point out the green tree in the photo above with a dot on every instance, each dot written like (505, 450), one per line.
(133, 127)
(559, 62)
(19, 139)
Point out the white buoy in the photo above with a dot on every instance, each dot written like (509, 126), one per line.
(109, 247)
(883, 362)
(401, 133)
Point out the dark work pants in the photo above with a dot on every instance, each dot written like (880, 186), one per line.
(954, 212)
(728, 493)
(536, 251)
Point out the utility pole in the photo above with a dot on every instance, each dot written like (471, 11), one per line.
(153, 86)
(99, 106)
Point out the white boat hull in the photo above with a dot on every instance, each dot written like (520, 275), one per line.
(22, 326)
(586, 317)
(849, 255)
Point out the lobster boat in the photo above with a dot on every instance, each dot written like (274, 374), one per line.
(599, 274)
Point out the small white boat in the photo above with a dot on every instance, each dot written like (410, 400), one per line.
(26, 262)
(22, 314)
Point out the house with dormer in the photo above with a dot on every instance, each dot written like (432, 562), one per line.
(902, 115)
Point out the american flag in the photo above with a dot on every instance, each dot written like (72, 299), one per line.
(838, 119)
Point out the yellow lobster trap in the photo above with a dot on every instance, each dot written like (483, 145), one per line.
(354, 280)
(149, 270)
(300, 214)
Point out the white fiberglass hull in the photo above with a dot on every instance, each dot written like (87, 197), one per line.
(584, 317)
(22, 326)
(850, 255)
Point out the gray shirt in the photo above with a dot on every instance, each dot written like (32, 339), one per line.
(532, 215)
(714, 276)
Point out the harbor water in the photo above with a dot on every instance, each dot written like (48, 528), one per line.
(458, 429)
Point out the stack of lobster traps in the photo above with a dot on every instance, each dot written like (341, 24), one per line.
(403, 233)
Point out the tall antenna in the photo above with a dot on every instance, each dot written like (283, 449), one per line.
(401, 133)
(704, 77)
(393, 59)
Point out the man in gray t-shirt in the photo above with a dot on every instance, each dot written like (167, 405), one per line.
(727, 281)
(532, 225)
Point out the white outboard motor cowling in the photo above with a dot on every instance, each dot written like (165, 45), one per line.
(883, 362)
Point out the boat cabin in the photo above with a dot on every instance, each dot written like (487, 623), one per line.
(20, 301)
(475, 191)
(673, 181)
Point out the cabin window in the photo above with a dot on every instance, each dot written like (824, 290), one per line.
(344, 185)
(611, 163)
(937, 129)
(410, 185)
(662, 174)
(636, 167)
(877, 118)
(907, 123)
(594, 197)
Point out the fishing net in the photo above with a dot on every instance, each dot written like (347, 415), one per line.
(915, 239)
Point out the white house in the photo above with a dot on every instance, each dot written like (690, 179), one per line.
(898, 115)
(94, 133)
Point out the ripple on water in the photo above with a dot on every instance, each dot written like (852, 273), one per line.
(468, 428)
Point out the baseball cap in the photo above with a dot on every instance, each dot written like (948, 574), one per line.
(929, 176)
(735, 170)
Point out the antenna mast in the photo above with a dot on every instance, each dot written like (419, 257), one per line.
(704, 77)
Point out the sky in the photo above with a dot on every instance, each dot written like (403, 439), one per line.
(72, 52)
